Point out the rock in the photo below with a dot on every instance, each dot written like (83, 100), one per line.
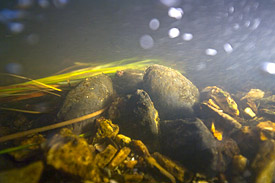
(128, 81)
(267, 130)
(72, 154)
(220, 99)
(28, 174)
(173, 94)
(248, 140)
(105, 129)
(89, 96)
(239, 164)
(227, 149)
(254, 94)
(191, 143)
(32, 150)
(263, 165)
(6, 163)
(222, 120)
(268, 112)
(136, 116)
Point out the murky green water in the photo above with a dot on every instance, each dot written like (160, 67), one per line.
(224, 43)
(51, 35)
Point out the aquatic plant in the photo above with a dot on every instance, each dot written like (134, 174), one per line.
(57, 83)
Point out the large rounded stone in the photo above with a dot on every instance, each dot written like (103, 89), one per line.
(89, 96)
(173, 94)
(128, 81)
(137, 117)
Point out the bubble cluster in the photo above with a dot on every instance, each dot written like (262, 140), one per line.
(13, 18)
(7, 15)
(238, 20)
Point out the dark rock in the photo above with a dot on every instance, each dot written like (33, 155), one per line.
(222, 121)
(263, 165)
(248, 140)
(191, 143)
(136, 116)
(173, 94)
(128, 81)
(89, 96)
(28, 174)
(6, 163)
(227, 149)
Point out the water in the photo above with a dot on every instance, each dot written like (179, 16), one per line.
(215, 42)
(227, 43)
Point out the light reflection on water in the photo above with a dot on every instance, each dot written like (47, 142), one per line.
(217, 42)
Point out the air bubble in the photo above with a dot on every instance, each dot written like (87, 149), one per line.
(231, 9)
(211, 52)
(269, 67)
(146, 42)
(175, 13)
(154, 24)
(174, 32)
(227, 48)
(14, 68)
(16, 27)
(43, 3)
(33, 39)
(187, 36)
(170, 3)
(256, 24)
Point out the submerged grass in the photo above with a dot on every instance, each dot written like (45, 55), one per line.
(55, 83)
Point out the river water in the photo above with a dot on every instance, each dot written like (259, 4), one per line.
(229, 43)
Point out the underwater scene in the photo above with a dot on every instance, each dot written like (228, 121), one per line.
(137, 91)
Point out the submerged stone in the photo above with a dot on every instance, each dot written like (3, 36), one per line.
(89, 96)
(220, 99)
(128, 81)
(71, 154)
(248, 140)
(173, 94)
(35, 141)
(239, 164)
(28, 174)
(264, 163)
(136, 116)
(191, 143)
